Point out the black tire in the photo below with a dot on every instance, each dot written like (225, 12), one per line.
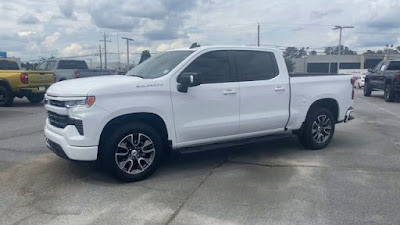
(310, 129)
(35, 98)
(367, 89)
(389, 95)
(6, 97)
(110, 147)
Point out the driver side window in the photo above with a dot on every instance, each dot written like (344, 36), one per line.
(212, 66)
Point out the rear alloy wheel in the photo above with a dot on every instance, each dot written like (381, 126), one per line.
(35, 98)
(367, 89)
(318, 129)
(132, 152)
(389, 93)
(6, 96)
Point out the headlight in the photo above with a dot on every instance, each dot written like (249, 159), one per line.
(88, 102)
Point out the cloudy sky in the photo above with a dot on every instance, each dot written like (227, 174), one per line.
(32, 29)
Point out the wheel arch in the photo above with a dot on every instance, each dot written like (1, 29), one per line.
(5, 84)
(151, 119)
(328, 103)
(388, 81)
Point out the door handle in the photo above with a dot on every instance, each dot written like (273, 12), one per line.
(280, 89)
(229, 92)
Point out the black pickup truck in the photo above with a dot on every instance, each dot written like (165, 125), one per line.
(385, 76)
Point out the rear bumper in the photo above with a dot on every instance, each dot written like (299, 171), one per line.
(57, 144)
(349, 115)
(32, 90)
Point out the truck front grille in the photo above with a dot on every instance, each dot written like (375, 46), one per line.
(57, 120)
(61, 121)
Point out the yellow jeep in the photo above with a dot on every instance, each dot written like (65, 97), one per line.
(20, 83)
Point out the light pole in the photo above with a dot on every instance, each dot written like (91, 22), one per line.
(127, 50)
(340, 40)
(389, 50)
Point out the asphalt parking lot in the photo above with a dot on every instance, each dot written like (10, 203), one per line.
(356, 180)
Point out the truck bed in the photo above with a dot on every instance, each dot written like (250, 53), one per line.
(306, 88)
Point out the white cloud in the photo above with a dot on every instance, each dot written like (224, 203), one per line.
(73, 49)
(50, 40)
(26, 33)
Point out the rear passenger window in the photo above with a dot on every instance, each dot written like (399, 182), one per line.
(255, 65)
(395, 65)
(213, 67)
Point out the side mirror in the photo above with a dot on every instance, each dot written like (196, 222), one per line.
(370, 70)
(187, 80)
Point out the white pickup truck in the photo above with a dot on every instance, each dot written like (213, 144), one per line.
(191, 99)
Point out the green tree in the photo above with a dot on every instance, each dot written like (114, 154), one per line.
(145, 55)
(293, 52)
(313, 52)
(290, 65)
(335, 50)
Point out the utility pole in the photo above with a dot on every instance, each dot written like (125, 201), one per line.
(101, 61)
(127, 50)
(258, 35)
(105, 49)
(119, 56)
(340, 28)
(91, 65)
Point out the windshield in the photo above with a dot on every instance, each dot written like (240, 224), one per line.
(159, 65)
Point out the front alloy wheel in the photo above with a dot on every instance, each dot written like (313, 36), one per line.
(131, 151)
(135, 153)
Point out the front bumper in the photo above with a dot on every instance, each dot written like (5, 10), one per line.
(57, 144)
(349, 115)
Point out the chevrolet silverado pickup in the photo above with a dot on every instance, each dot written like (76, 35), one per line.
(385, 76)
(22, 83)
(190, 99)
(70, 69)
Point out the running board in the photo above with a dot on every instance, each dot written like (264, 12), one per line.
(233, 143)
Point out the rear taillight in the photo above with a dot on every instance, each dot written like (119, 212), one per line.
(24, 78)
(76, 72)
(352, 81)
(398, 76)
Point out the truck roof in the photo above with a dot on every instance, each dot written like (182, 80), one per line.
(237, 47)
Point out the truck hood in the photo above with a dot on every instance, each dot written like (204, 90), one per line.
(82, 86)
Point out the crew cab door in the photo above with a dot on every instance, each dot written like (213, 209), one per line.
(264, 92)
(376, 77)
(209, 111)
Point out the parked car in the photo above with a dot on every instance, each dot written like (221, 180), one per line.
(191, 99)
(71, 69)
(15, 82)
(360, 81)
(358, 75)
(385, 76)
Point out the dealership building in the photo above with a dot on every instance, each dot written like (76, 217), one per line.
(329, 63)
